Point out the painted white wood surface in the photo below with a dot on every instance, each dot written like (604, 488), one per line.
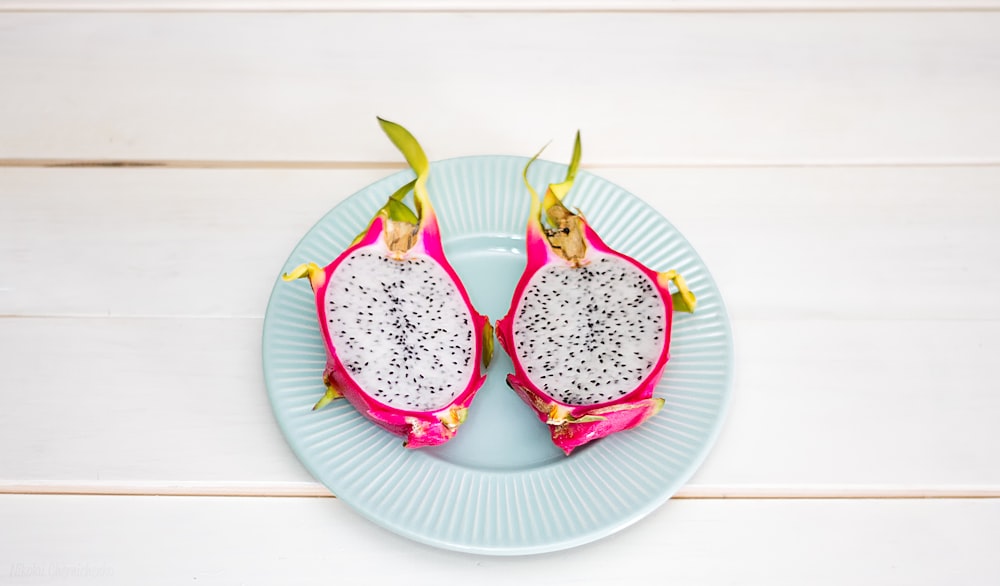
(825, 407)
(498, 5)
(814, 243)
(647, 89)
(836, 278)
(836, 163)
(320, 541)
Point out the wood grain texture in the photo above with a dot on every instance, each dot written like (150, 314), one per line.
(851, 243)
(109, 540)
(836, 163)
(821, 407)
(886, 393)
(497, 5)
(660, 88)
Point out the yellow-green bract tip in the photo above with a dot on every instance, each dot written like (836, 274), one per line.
(415, 156)
(407, 145)
(559, 190)
(535, 212)
(683, 299)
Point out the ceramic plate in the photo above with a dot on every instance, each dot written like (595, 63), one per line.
(500, 487)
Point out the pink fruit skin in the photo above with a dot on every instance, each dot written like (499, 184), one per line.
(418, 428)
(618, 415)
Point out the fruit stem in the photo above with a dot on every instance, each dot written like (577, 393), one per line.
(565, 237)
(394, 209)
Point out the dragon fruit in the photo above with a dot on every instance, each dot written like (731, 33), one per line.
(403, 340)
(588, 329)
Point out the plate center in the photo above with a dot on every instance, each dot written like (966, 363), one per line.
(502, 432)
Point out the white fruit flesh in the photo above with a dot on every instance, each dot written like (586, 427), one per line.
(401, 329)
(589, 335)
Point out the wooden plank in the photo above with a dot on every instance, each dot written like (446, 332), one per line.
(127, 242)
(853, 243)
(121, 540)
(692, 88)
(494, 5)
(821, 408)
(816, 243)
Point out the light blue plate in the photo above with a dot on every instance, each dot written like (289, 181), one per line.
(500, 487)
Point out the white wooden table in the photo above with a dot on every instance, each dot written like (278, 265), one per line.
(836, 163)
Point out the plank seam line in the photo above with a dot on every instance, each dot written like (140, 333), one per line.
(689, 497)
(690, 9)
(365, 165)
(319, 492)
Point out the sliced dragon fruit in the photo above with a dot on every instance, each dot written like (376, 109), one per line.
(588, 329)
(403, 340)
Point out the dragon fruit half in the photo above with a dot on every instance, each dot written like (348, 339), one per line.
(588, 328)
(403, 340)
